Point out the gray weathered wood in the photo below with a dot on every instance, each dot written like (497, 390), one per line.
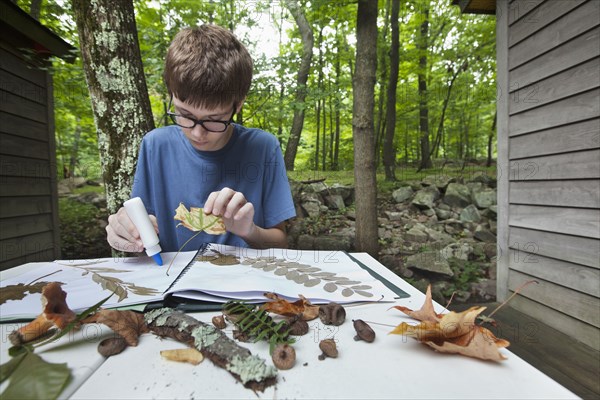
(18, 166)
(13, 64)
(581, 49)
(573, 109)
(576, 193)
(22, 88)
(45, 255)
(578, 305)
(23, 226)
(21, 186)
(23, 127)
(52, 162)
(573, 137)
(584, 332)
(578, 165)
(14, 104)
(571, 221)
(18, 146)
(573, 81)
(27, 245)
(577, 277)
(568, 248)
(567, 27)
(521, 10)
(539, 18)
(21, 206)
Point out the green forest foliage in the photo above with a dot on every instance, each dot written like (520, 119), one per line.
(460, 47)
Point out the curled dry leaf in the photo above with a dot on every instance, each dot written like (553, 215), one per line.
(457, 333)
(281, 306)
(128, 324)
(195, 220)
(190, 355)
(55, 312)
(425, 313)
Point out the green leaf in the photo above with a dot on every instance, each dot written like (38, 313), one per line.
(9, 367)
(35, 378)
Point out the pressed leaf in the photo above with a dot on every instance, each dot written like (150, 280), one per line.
(269, 268)
(346, 282)
(35, 378)
(292, 275)
(330, 287)
(363, 293)
(19, 291)
(224, 259)
(312, 282)
(347, 292)
(259, 264)
(281, 271)
(361, 287)
(300, 279)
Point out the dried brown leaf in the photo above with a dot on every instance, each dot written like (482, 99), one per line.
(128, 324)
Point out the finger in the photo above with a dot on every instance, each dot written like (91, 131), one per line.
(210, 201)
(245, 212)
(235, 203)
(221, 201)
(154, 223)
(123, 227)
(119, 243)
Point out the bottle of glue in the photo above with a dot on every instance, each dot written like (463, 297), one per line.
(138, 214)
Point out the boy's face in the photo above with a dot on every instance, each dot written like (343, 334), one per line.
(198, 136)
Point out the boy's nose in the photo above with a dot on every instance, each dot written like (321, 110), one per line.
(199, 130)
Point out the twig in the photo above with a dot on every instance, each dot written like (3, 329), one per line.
(37, 279)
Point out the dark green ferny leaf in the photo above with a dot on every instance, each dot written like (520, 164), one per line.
(35, 378)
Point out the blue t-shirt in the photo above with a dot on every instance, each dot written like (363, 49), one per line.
(171, 171)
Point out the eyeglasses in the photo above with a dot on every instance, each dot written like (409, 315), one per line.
(210, 125)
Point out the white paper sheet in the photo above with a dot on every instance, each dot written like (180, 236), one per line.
(136, 279)
(320, 276)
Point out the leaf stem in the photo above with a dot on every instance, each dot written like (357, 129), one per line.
(37, 279)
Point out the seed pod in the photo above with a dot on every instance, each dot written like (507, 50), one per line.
(219, 322)
(332, 314)
(297, 326)
(284, 356)
(112, 346)
(328, 348)
(363, 331)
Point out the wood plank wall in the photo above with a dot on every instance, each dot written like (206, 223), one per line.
(552, 197)
(28, 201)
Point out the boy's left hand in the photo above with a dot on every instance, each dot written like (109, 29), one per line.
(236, 211)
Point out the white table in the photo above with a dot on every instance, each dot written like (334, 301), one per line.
(392, 367)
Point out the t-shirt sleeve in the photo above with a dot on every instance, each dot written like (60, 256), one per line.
(142, 187)
(278, 204)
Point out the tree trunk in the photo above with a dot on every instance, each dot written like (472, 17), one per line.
(389, 151)
(363, 87)
(115, 79)
(423, 46)
(75, 148)
(35, 9)
(382, 64)
(338, 104)
(307, 48)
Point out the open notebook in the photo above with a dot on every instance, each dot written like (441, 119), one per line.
(198, 280)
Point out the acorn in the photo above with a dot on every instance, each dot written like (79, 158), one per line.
(328, 348)
(284, 356)
(332, 314)
(363, 331)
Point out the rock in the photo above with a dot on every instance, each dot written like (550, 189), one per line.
(334, 202)
(394, 215)
(417, 234)
(439, 181)
(402, 194)
(351, 215)
(312, 208)
(457, 195)
(390, 262)
(316, 187)
(484, 235)
(460, 251)
(430, 261)
(306, 242)
(494, 211)
(470, 214)
(424, 198)
(484, 198)
(443, 214)
(485, 289)
(332, 242)
(486, 180)
(347, 192)
(438, 236)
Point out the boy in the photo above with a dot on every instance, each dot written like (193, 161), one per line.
(205, 160)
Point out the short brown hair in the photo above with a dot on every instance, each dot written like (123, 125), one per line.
(207, 66)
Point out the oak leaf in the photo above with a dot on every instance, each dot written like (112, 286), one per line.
(196, 220)
(282, 306)
(425, 313)
(128, 324)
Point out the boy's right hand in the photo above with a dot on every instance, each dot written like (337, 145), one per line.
(122, 234)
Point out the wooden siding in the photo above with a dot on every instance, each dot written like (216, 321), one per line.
(28, 198)
(549, 187)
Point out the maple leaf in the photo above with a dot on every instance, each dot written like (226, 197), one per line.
(281, 306)
(19, 291)
(128, 324)
(478, 343)
(425, 313)
(195, 220)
